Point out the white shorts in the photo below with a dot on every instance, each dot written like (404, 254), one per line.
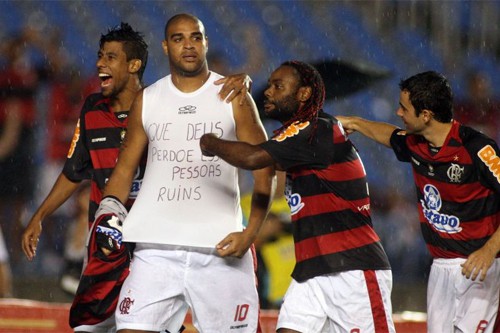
(165, 280)
(107, 326)
(455, 303)
(352, 301)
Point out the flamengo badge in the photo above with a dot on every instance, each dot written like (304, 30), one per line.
(455, 173)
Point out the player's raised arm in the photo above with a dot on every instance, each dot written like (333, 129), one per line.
(377, 131)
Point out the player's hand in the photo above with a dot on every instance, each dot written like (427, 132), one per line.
(346, 124)
(109, 224)
(235, 244)
(205, 143)
(30, 238)
(478, 263)
(109, 233)
(235, 85)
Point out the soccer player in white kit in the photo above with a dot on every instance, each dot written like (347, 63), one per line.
(191, 247)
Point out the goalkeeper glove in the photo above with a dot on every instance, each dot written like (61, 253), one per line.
(109, 219)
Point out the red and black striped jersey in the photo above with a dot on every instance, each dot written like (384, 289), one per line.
(458, 189)
(95, 147)
(327, 192)
(93, 155)
(102, 278)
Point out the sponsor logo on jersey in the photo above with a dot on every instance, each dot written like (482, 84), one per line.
(99, 139)
(431, 205)
(364, 207)
(294, 200)
(134, 189)
(188, 109)
(291, 130)
(455, 173)
(489, 157)
(74, 140)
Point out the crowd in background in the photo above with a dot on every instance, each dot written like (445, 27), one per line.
(42, 85)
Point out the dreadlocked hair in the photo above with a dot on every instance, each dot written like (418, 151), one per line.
(308, 77)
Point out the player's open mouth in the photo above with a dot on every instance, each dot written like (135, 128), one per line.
(106, 79)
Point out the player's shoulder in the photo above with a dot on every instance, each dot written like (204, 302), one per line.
(157, 86)
(474, 139)
(93, 100)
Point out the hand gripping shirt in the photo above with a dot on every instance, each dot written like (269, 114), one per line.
(186, 198)
(327, 192)
(458, 189)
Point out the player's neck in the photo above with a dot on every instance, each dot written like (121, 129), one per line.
(123, 101)
(190, 83)
(437, 134)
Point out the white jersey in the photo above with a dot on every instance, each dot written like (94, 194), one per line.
(186, 198)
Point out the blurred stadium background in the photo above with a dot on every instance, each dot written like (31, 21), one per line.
(396, 38)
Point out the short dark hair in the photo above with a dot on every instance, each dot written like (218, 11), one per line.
(430, 91)
(133, 42)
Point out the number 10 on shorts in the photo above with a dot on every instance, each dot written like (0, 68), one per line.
(241, 312)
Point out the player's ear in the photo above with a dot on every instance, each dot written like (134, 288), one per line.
(134, 65)
(165, 47)
(304, 93)
(427, 115)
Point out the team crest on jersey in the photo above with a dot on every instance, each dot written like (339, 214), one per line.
(125, 305)
(455, 173)
(291, 130)
(74, 140)
(489, 157)
(431, 205)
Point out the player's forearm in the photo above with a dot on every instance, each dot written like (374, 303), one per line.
(237, 153)
(263, 194)
(377, 131)
(119, 183)
(61, 191)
